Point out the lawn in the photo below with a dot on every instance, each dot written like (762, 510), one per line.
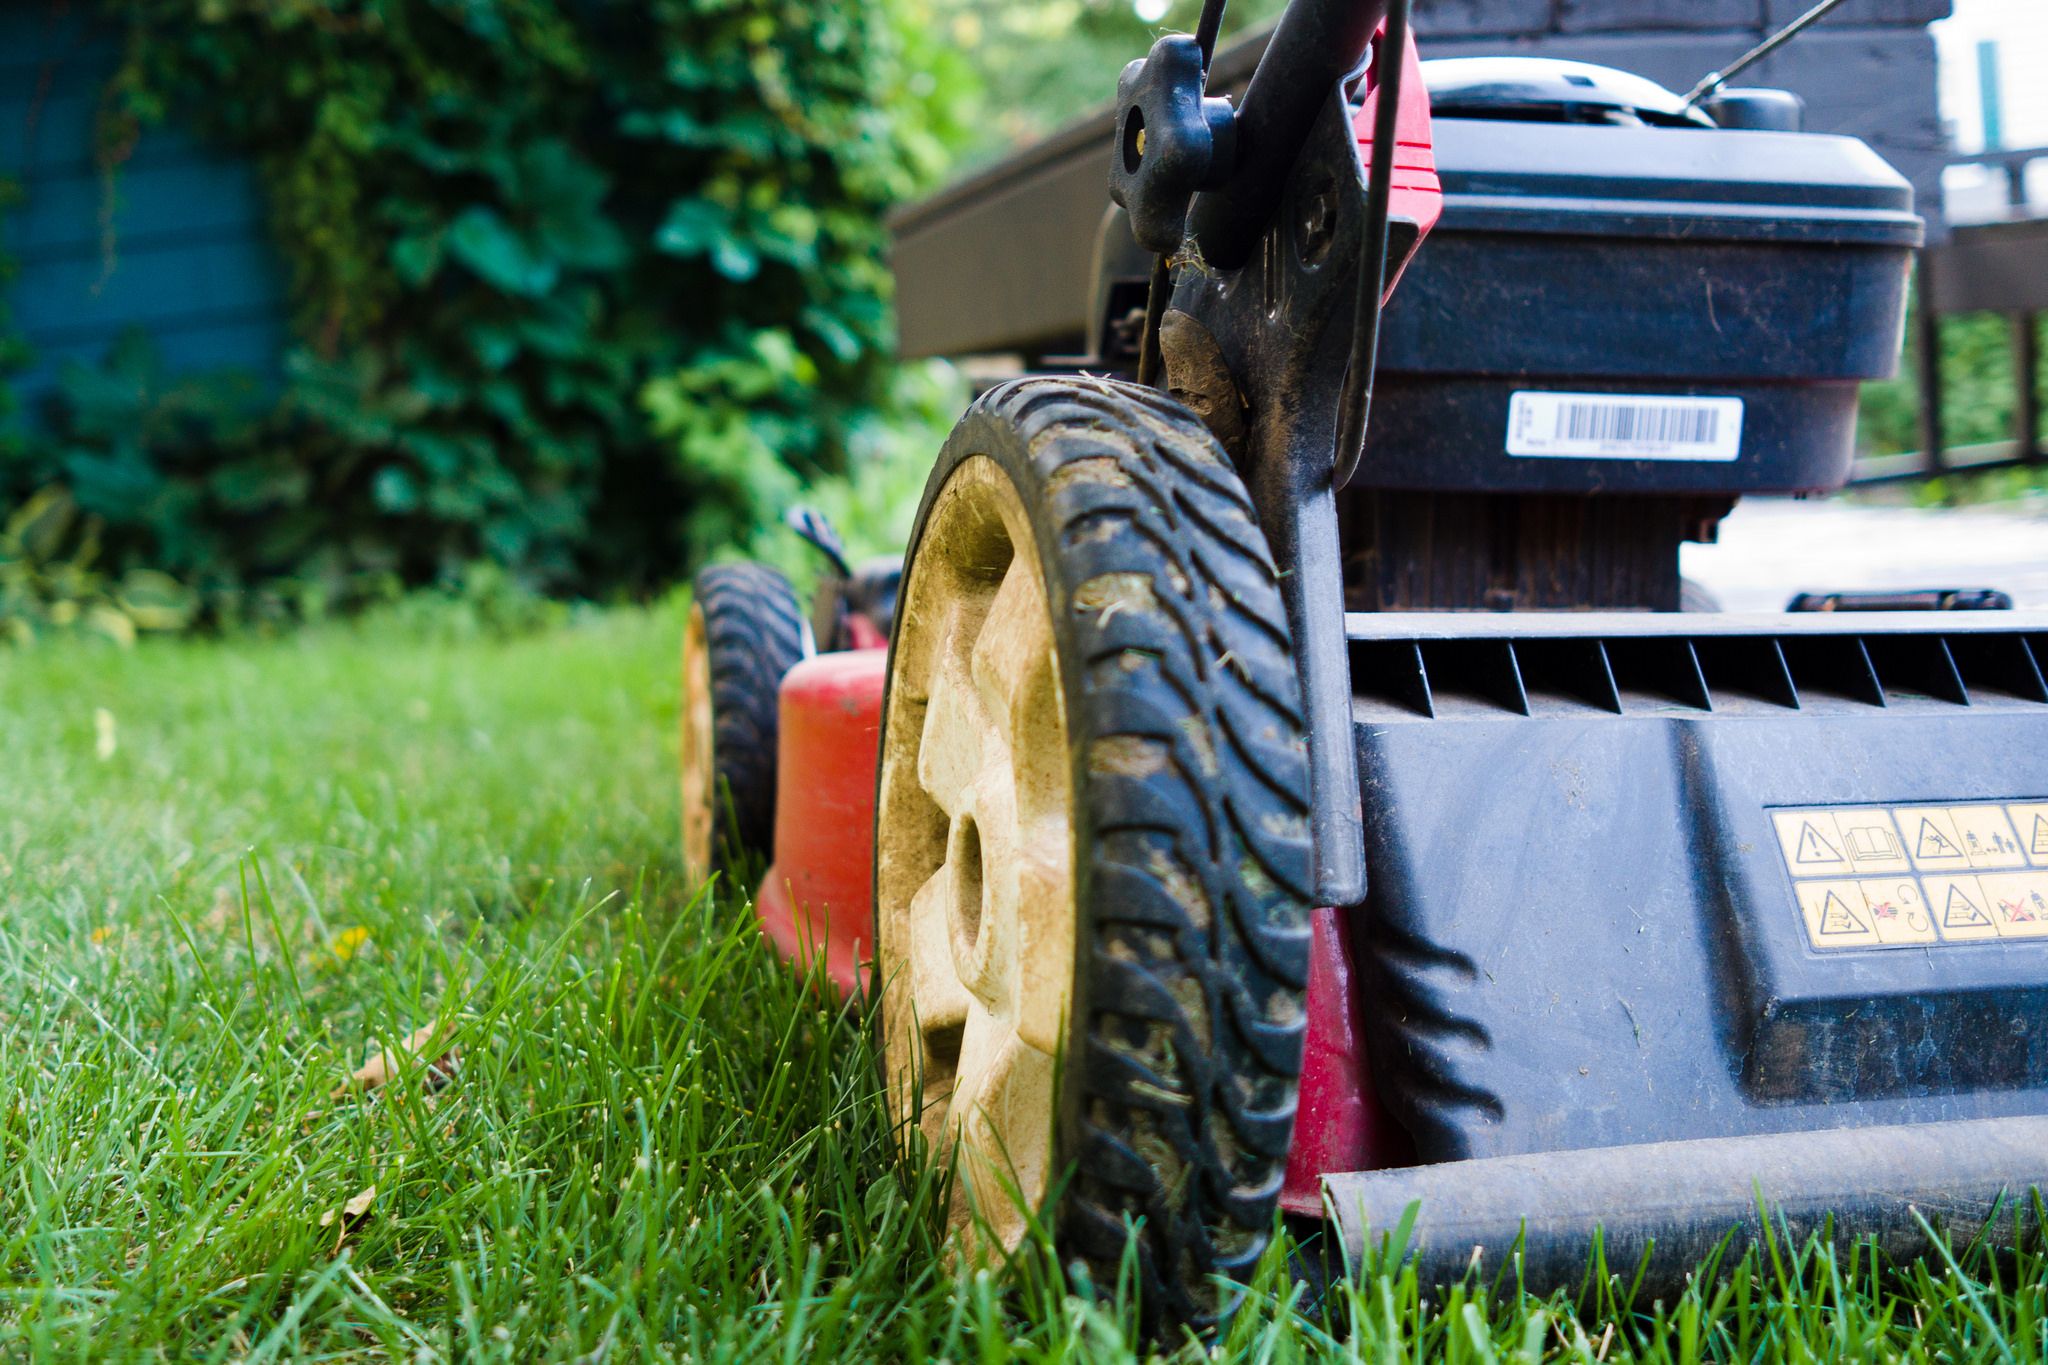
(226, 868)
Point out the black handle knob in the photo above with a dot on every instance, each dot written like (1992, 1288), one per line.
(1170, 141)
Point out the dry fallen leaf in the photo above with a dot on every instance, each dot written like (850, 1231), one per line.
(349, 1214)
(384, 1063)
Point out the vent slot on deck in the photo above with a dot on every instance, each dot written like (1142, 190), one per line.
(1653, 673)
(1481, 671)
(1832, 667)
(1998, 666)
(1390, 673)
(1914, 666)
(1566, 675)
(1749, 667)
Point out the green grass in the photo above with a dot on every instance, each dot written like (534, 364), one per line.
(657, 1143)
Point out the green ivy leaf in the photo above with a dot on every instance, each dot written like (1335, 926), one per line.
(487, 244)
(395, 490)
(417, 256)
(693, 226)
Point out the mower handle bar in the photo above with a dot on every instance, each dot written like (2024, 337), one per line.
(1316, 44)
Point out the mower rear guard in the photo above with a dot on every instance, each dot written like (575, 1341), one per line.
(1663, 1208)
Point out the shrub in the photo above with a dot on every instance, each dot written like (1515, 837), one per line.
(581, 287)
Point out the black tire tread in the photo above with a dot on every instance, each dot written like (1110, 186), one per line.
(754, 634)
(1194, 868)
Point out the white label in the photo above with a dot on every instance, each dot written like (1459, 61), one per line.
(1623, 426)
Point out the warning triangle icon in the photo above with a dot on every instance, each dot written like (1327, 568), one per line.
(1814, 847)
(1963, 913)
(1935, 844)
(1837, 918)
(2040, 844)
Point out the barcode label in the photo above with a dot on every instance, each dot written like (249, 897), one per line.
(1623, 426)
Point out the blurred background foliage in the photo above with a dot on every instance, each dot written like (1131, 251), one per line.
(1977, 384)
(584, 291)
(581, 288)
(1034, 67)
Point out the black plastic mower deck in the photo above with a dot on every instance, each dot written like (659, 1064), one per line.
(1637, 878)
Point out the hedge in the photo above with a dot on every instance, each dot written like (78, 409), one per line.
(580, 287)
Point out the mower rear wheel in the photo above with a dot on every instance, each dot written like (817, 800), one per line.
(744, 632)
(1092, 850)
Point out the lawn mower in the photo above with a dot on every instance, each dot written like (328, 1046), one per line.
(1291, 784)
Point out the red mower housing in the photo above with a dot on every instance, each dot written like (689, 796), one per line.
(818, 895)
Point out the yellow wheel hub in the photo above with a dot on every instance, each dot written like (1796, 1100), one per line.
(700, 777)
(975, 902)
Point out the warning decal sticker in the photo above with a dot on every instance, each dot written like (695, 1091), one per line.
(2019, 904)
(2030, 818)
(1865, 914)
(1872, 841)
(1962, 914)
(1899, 876)
(1934, 841)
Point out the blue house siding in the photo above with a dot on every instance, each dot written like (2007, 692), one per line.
(186, 254)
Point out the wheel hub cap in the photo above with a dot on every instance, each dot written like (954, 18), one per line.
(975, 888)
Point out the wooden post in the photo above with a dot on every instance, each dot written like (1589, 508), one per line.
(2026, 408)
(1927, 337)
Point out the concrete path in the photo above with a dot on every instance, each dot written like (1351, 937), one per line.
(1771, 548)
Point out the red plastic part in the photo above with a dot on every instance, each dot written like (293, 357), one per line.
(1339, 1124)
(1418, 195)
(866, 634)
(818, 895)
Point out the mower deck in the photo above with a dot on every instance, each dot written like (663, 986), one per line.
(1640, 879)
(1643, 879)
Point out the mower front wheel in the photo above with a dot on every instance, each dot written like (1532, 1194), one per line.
(745, 630)
(1092, 849)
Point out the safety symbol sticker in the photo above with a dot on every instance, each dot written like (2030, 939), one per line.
(1932, 835)
(1898, 913)
(1899, 876)
(1934, 844)
(2031, 820)
(2019, 904)
(1962, 912)
(1988, 837)
(1872, 841)
(1876, 913)
(1814, 846)
(1835, 916)
(1812, 843)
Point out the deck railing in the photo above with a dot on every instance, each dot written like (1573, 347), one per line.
(1998, 264)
